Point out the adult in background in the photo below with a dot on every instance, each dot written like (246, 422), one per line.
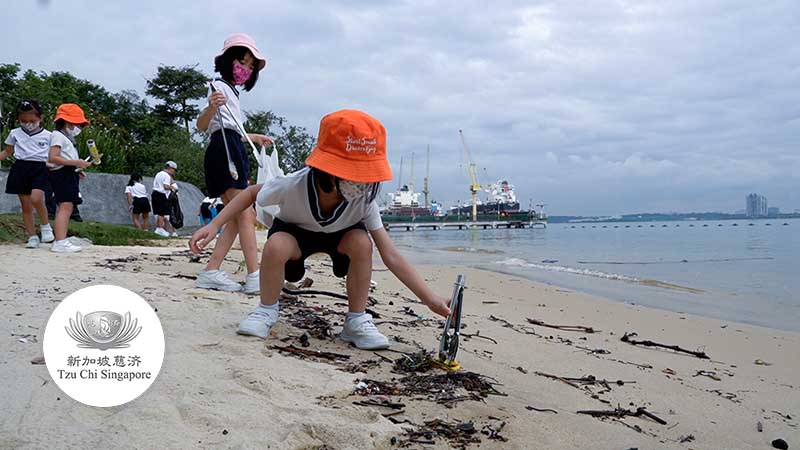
(163, 186)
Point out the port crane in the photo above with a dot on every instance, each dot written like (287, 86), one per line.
(472, 169)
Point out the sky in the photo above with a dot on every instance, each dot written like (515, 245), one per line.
(591, 107)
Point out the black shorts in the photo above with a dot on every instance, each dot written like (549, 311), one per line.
(160, 204)
(141, 205)
(215, 163)
(311, 242)
(66, 185)
(26, 176)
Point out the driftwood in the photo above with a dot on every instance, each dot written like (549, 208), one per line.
(315, 353)
(627, 338)
(580, 328)
(588, 380)
(622, 412)
(531, 408)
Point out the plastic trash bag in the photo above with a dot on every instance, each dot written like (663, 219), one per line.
(270, 168)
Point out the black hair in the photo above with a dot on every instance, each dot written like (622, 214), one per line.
(60, 124)
(224, 65)
(327, 182)
(135, 178)
(28, 106)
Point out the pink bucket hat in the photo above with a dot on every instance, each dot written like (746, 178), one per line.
(243, 40)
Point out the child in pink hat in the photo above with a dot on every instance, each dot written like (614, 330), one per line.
(226, 163)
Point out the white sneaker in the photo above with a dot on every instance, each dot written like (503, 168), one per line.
(252, 285)
(65, 246)
(258, 322)
(363, 333)
(217, 279)
(47, 234)
(173, 234)
(161, 232)
(33, 242)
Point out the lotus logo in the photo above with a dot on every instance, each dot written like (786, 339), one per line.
(103, 330)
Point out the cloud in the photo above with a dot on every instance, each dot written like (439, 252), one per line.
(593, 107)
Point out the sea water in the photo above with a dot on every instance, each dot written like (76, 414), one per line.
(745, 270)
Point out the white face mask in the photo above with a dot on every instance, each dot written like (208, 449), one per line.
(352, 190)
(30, 127)
(74, 131)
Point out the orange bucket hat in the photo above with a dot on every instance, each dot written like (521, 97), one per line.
(352, 146)
(71, 113)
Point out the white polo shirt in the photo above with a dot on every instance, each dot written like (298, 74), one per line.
(138, 190)
(299, 205)
(228, 120)
(160, 180)
(68, 150)
(30, 147)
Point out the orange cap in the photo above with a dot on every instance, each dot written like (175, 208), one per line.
(352, 146)
(71, 113)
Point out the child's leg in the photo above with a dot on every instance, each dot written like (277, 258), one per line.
(357, 245)
(145, 221)
(280, 248)
(246, 224)
(37, 200)
(27, 214)
(63, 213)
(242, 225)
(135, 217)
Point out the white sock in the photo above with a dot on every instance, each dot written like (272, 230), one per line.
(46, 227)
(354, 315)
(254, 274)
(267, 308)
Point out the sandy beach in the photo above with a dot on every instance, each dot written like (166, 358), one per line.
(217, 390)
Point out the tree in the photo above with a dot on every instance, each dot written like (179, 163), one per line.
(176, 87)
(294, 142)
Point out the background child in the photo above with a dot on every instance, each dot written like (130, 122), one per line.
(163, 186)
(28, 177)
(64, 159)
(238, 64)
(328, 207)
(138, 203)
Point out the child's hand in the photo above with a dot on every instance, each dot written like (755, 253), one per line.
(82, 175)
(217, 99)
(261, 139)
(439, 305)
(82, 163)
(201, 238)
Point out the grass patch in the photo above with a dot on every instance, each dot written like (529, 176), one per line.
(12, 230)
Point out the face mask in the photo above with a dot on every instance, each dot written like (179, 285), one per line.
(29, 127)
(74, 131)
(241, 73)
(351, 190)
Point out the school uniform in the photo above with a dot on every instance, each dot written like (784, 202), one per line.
(215, 162)
(64, 180)
(160, 196)
(140, 203)
(300, 215)
(29, 170)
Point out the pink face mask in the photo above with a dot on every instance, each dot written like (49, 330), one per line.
(241, 73)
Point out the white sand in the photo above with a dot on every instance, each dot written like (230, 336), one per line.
(214, 381)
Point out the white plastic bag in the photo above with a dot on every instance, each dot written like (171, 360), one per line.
(269, 169)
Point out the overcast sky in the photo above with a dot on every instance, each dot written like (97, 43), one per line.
(593, 107)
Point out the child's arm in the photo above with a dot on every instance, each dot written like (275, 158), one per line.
(242, 201)
(215, 100)
(55, 158)
(7, 151)
(405, 272)
(130, 199)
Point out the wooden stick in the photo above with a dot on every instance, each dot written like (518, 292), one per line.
(627, 338)
(621, 412)
(581, 328)
(314, 353)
